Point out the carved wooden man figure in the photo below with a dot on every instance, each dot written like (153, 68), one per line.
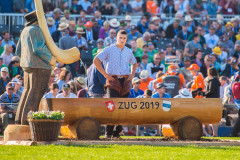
(36, 61)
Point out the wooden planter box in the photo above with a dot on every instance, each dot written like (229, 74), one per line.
(45, 129)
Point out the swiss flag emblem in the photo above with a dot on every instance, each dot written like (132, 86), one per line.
(110, 106)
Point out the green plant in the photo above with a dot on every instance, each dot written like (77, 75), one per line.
(53, 115)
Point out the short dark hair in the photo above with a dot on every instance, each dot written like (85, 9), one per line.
(223, 78)
(5, 33)
(213, 72)
(148, 92)
(195, 35)
(54, 86)
(122, 32)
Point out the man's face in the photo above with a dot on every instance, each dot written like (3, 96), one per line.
(66, 91)
(124, 2)
(185, 27)
(112, 33)
(55, 91)
(222, 82)
(6, 36)
(79, 35)
(9, 90)
(145, 49)
(237, 47)
(199, 30)
(212, 31)
(97, 14)
(152, 26)
(4, 74)
(161, 90)
(186, 64)
(157, 59)
(121, 39)
(17, 64)
(100, 45)
(133, 44)
(9, 49)
(176, 24)
(145, 61)
(72, 27)
(133, 31)
(136, 85)
(57, 15)
(150, 46)
(169, 49)
(144, 20)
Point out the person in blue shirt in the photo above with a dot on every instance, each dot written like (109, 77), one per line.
(135, 91)
(161, 89)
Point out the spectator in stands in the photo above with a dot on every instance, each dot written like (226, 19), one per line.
(212, 7)
(161, 91)
(235, 51)
(123, 26)
(215, 63)
(207, 64)
(73, 87)
(1, 64)
(227, 6)
(151, 6)
(17, 86)
(104, 31)
(80, 23)
(53, 91)
(14, 67)
(71, 28)
(51, 25)
(202, 41)
(30, 5)
(142, 25)
(83, 93)
(155, 33)
(137, 7)
(211, 38)
(169, 50)
(66, 93)
(67, 42)
(223, 80)
(170, 9)
(107, 8)
(156, 66)
(47, 6)
(182, 6)
(145, 80)
(231, 68)
(198, 9)
(145, 52)
(124, 8)
(7, 54)
(90, 34)
(111, 38)
(183, 93)
(191, 24)
(95, 82)
(51, 80)
(6, 39)
(134, 34)
(100, 46)
(143, 40)
(65, 76)
(163, 22)
(6, 6)
(144, 62)
(91, 9)
(147, 94)
(198, 57)
(172, 70)
(184, 33)
(9, 98)
(4, 80)
(136, 51)
(186, 73)
(172, 29)
(85, 4)
(213, 84)
(19, 6)
(135, 91)
(56, 15)
(235, 21)
(227, 43)
(75, 7)
(197, 86)
(1, 47)
(82, 42)
(80, 83)
(190, 46)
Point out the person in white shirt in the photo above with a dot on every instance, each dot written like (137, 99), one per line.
(211, 38)
(137, 7)
(53, 91)
(224, 84)
(156, 66)
(66, 92)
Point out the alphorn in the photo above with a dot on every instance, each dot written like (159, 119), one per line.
(64, 56)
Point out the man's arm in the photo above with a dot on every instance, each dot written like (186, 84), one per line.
(133, 71)
(98, 65)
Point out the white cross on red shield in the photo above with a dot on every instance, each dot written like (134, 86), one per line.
(110, 106)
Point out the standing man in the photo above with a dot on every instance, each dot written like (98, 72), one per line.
(36, 61)
(117, 58)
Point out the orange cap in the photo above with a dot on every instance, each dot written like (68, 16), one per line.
(172, 67)
(193, 67)
(88, 24)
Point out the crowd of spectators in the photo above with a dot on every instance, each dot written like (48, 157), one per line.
(195, 46)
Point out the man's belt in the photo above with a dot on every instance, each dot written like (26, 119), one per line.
(120, 76)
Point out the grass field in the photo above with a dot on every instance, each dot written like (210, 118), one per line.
(117, 152)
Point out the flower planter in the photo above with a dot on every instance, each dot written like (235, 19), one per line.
(45, 129)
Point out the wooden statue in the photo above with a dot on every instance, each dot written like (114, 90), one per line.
(84, 116)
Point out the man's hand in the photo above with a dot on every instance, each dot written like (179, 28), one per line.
(53, 62)
(131, 76)
(109, 77)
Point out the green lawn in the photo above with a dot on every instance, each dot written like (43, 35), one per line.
(117, 152)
